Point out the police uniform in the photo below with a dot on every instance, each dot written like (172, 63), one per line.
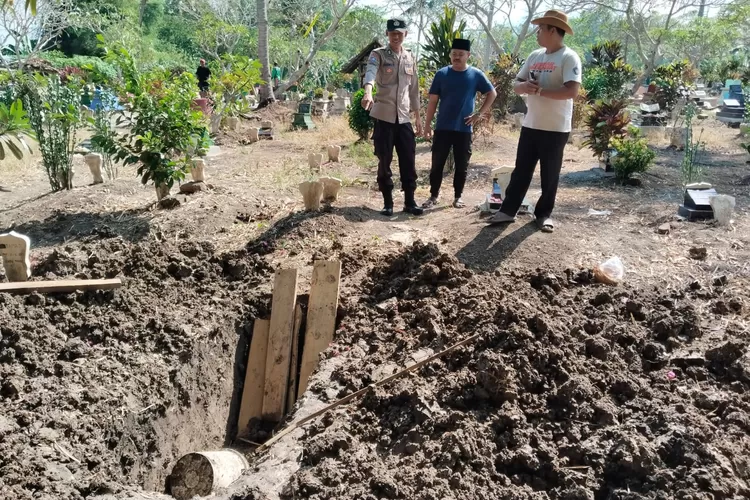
(396, 96)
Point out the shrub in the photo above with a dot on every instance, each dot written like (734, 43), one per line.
(319, 93)
(164, 129)
(359, 119)
(609, 73)
(503, 77)
(96, 70)
(606, 120)
(669, 81)
(633, 156)
(14, 126)
(580, 109)
(55, 115)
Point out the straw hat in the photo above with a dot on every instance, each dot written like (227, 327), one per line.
(555, 18)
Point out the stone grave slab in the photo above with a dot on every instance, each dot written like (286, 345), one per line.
(14, 249)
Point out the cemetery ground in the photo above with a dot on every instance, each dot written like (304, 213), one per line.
(572, 390)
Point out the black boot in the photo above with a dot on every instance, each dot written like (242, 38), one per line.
(410, 206)
(387, 203)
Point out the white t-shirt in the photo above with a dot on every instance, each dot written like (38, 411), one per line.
(551, 71)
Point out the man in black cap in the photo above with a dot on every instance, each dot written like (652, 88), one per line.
(455, 87)
(393, 70)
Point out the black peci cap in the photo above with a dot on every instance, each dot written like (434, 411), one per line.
(461, 44)
(396, 25)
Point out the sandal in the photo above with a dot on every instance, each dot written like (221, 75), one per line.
(433, 201)
(459, 203)
(546, 225)
(501, 218)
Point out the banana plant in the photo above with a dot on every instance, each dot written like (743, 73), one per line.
(30, 4)
(14, 127)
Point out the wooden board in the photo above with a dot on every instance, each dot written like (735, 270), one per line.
(321, 317)
(291, 397)
(64, 286)
(279, 344)
(251, 405)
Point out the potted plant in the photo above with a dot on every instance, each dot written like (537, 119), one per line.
(605, 121)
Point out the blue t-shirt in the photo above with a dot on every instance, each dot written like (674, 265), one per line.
(457, 91)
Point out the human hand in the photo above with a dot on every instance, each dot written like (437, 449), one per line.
(427, 133)
(418, 127)
(528, 88)
(473, 119)
(367, 101)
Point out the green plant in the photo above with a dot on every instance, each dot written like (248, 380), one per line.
(55, 116)
(691, 168)
(438, 42)
(164, 130)
(14, 127)
(633, 156)
(608, 74)
(669, 81)
(319, 93)
(503, 77)
(105, 137)
(606, 120)
(232, 78)
(359, 119)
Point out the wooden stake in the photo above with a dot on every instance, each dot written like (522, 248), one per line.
(279, 344)
(251, 405)
(61, 286)
(291, 397)
(299, 423)
(321, 317)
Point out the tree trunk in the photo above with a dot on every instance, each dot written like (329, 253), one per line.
(266, 89)
(334, 26)
(142, 11)
(488, 45)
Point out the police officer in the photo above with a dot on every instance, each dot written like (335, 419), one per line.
(393, 71)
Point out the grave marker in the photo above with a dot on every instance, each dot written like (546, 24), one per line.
(14, 248)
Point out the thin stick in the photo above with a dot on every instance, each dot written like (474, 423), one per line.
(362, 392)
(249, 442)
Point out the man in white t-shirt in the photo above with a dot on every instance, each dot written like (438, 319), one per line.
(551, 77)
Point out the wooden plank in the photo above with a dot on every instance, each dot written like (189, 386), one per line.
(279, 344)
(321, 317)
(251, 405)
(64, 286)
(291, 397)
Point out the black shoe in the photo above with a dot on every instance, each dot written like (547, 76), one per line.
(413, 209)
(387, 211)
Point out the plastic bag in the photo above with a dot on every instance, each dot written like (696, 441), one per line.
(610, 271)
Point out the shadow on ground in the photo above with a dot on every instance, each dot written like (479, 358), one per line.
(493, 245)
(132, 225)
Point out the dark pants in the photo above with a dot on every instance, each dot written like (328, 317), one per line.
(546, 148)
(401, 135)
(442, 141)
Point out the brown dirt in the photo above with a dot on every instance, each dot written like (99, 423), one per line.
(105, 389)
(565, 394)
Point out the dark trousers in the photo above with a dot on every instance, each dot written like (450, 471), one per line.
(547, 149)
(401, 135)
(442, 141)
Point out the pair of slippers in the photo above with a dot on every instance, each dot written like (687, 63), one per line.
(545, 225)
(432, 202)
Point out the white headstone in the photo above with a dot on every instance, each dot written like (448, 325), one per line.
(94, 161)
(14, 248)
(650, 108)
(197, 169)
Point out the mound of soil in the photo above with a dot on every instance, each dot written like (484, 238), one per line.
(573, 390)
(100, 390)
